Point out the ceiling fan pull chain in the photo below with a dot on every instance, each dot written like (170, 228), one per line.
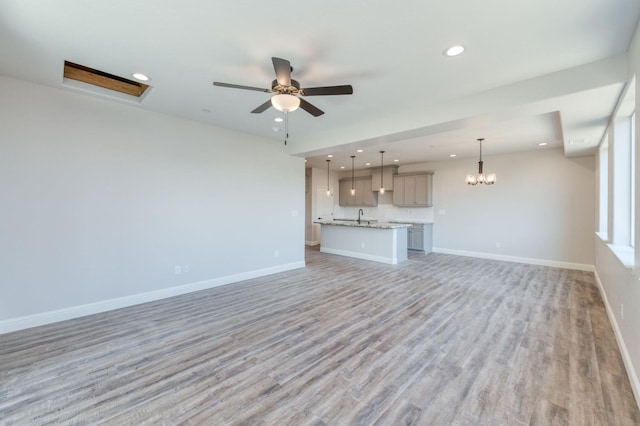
(286, 126)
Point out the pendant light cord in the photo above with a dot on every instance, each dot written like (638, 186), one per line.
(352, 180)
(382, 172)
(328, 184)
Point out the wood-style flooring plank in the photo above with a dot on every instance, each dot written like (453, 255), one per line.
(437, 339)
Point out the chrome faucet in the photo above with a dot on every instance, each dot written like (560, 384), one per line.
(360, 212)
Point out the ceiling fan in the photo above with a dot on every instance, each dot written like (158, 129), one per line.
(288, 93)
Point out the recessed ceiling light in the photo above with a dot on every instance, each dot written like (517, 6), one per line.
(360, 150)
(452, 155)
(330, 155)
(395, 161)
(342, 167)
(276, 129)
(367, 164)
(278, 119)
(140, 76)
(542, 144)
(576, 141)
(454, 50)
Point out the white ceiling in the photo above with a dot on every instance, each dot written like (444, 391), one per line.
(534, 71)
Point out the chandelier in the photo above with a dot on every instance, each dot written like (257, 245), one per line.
(488, 179)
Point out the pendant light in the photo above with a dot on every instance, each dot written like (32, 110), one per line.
(328, 187)
(489, 179)
(353, 188)
(381, 172)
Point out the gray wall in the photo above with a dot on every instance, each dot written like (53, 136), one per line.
(101, 200)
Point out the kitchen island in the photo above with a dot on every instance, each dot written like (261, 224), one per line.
(378, 241)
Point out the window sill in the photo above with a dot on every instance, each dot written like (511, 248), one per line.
(625, 254)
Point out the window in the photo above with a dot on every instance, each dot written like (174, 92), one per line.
(621, 174)
(617, 180)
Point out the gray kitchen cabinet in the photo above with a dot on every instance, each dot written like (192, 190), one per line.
(417, 238)
(363, 197)
(420, 237)
(413, 190)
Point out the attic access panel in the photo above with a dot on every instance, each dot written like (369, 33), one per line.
(102, 79)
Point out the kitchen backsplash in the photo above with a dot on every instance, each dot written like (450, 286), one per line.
(385, 211)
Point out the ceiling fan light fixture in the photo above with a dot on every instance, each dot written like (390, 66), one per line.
(285, 102)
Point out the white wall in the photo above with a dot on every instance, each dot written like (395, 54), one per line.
(316, 199)
(621, 285)
(541, 208)
(101, 200)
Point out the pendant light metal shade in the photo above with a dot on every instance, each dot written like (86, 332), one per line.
(481, 177)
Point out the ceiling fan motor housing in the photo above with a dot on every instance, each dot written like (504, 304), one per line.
(294, 89)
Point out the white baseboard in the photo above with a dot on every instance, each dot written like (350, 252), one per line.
(20, 323)
(529, 260)
(312, 243)
(626, 358)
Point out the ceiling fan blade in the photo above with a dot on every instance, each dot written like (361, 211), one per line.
(313, 110)
(262, 108)
(283, 71)
(237, 86)
(329, 90)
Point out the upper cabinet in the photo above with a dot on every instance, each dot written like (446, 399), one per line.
(388, 172)
(413, 189)
(363, 197)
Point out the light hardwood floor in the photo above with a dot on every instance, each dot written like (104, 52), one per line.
(436, 340)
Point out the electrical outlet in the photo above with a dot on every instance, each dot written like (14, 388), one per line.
(186, 269)
(276, 253)
(177, 270)
(362, 245)
(498, 245)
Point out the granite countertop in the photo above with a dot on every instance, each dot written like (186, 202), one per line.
(364, 224)
(412, 222)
